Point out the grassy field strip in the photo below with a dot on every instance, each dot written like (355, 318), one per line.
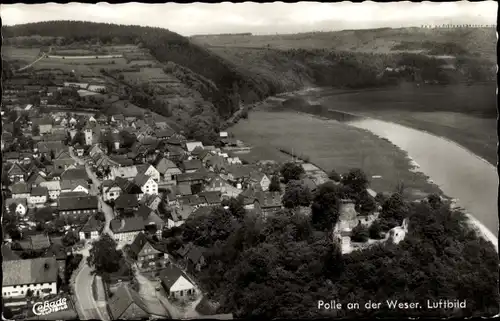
(333, 145)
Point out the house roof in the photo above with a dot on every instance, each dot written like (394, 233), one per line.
(20, 188)
(129, 224)
(190, 146)
(8, 254)
(270, 199)
(239, 171)
(201, 211)
(125, 171)
(138, 243)
(34, 178)
(141, 179)
(74, 174)
(184, 189)
(92, 225)
(30, 271)
(143, 211)
(165, 164)
(72, 184)
(46, 147)
(195, 254)
(213, 197)
(126, 201)
(78, 203)
(170, 275)
(193, 164)
(188, 177)
(121, 301)
(16, 169)
(39, 191)
(16, 201)
(165, 133)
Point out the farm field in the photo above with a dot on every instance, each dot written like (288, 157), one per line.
(23, 54)
(332, 145)
(464, 114)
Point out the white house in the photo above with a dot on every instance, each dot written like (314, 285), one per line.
(76, 185)
(21, 205)
(110, 191)
(149, 170)
(176, 283)
(146, 184)
(38, 275)
(126, 230)
(91, 229)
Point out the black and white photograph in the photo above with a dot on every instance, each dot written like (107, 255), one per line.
(249, 160)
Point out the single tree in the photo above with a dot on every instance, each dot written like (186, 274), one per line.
(275, 186)
(355, 180)
(296, 194)
(70, 239)
(104, 257)
(44, 215)
(291, 171)
(326, 205)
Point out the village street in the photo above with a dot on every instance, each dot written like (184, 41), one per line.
(83, 293)
(151, 297)
(95, 190)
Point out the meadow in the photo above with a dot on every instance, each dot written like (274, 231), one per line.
(332, 145)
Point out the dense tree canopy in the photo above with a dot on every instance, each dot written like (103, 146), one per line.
(104, 257)
(275, 186)
(326, 205)
(291, 171)
(296, 194)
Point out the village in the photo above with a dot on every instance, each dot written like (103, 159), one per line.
(73, 179)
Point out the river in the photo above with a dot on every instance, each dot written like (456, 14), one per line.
(460, 174)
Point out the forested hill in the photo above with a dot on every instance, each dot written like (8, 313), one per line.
(244, 74)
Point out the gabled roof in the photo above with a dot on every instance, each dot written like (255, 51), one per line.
(165, 164)
(125, 171)
(20, 188)
(138, 244)
(17, 201)
(72, 184)
(92, 225)
(213, 197)
(190, 146)
(39, 191)
(30, 271)
(16, 169)
(184, 189)
(143, 211)
(129, 224)
(170, 275)
(121, 301)
(74, 174)
(193, 164)
(189, 177)
(195, 254)
(126, 201)
(78, 203)
(141, 179)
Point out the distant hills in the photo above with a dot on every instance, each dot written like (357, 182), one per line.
(246, 68)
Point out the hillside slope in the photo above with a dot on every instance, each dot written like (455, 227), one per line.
(479, 41)
(229, 69)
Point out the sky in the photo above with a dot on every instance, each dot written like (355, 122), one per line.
(257, 18)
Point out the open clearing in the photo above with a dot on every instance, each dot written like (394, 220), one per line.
(24, 54)
(333, 145)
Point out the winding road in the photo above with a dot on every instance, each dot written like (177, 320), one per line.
(83, 292)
